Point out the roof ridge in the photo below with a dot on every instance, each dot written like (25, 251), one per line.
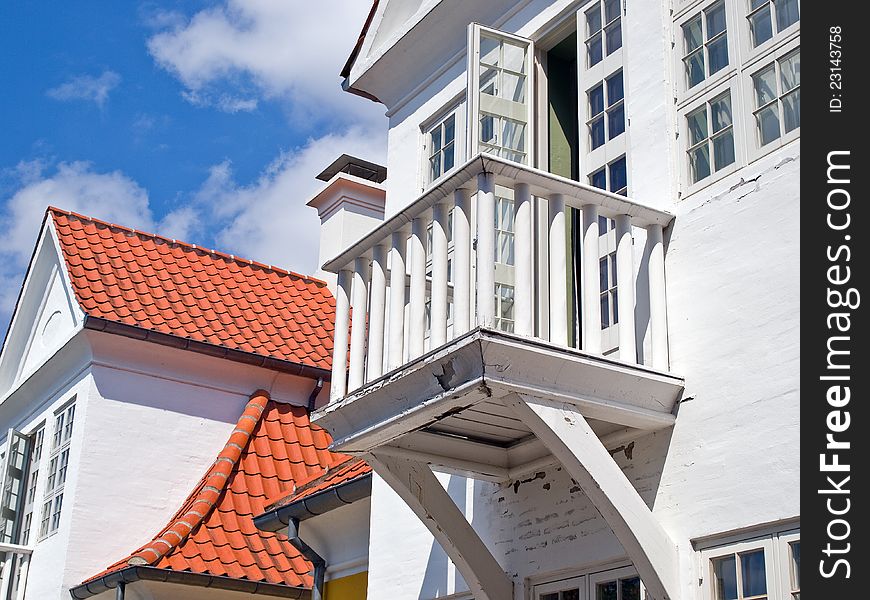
(157, 236)
(209, 489)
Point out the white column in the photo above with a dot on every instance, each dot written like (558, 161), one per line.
(524, 305)
(461, 262)
(658, 313)
(338, 383)
(438, 335)
(485, 250)
(591, 281)
(360, 291)
(397, 300)
(377, 313)
(625, 289)
(417, 310)
(558, 272)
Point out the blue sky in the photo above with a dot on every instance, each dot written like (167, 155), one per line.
(201, 120)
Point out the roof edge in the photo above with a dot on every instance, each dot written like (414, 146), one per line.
(166, 339)
(316, 504)
(354, 53)
(147, 573)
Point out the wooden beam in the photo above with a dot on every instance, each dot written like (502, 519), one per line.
(415, 483)
(571, 440)
(466, 468)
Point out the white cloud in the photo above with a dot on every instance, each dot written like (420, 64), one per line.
(288, 50)
(86, 87)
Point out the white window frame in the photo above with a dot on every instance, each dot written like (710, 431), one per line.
(731, 86)
(31, 492)
(613, 574)
(754, 148)
(584, 580)
(683, 92)
(747, 49)
(473, 91)
(586, 37)
(455, 109)
(57, 472)
(786, 566)
(775, 545)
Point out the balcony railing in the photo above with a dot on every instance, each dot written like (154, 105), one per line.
(15, 561)
(392, 280)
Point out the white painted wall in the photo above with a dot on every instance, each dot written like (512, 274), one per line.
(732, 277)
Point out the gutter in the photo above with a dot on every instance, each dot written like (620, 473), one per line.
(316, 504)
(172, 341)
(118, 580)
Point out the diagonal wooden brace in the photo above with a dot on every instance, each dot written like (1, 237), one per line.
(565, 433)
(417, 485)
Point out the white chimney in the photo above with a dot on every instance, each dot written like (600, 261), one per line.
(351, 205)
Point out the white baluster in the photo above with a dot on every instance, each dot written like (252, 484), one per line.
(625, 289)
(591, 281)
(338, 384)
(485, 250)
(461, 262)
(523, 256)
(658, 313)
(558, 272)
(396, 347)
(438, 335)
(375, 367)
(417, 310)
(360, 291)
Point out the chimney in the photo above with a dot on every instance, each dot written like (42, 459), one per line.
(349, 206)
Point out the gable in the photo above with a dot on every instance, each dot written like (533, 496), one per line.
(46, 315)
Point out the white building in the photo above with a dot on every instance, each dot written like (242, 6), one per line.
(616, 400)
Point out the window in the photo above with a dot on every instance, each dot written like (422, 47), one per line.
(609, 306)
(705, 44)
(606, 110)
(58, 463)
(441, 147)
(711, 137)
(748, 570)
(603, 30)
(504, 231)
(769, 17)
(777, 93)
(36, 441)
(504, 307)
(627, 588)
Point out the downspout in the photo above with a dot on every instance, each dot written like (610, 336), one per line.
(119, 591)
(309, 553)
(312, 397)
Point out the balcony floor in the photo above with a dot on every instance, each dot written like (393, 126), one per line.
(447, 404)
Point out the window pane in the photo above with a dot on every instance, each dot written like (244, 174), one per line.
(795, 565)
(514, 135)
(616, 121)
(760, 24)
(602, 225)
(699, 162)
(618, 176)
(514, 87)
(725, 578)
(612, 256)
(614, 300)
(506, 309)
(764, 83)
(720, 111)
(615, 90)
(692, 34)
(489, 81)
(489, 50)
(487, 129)
(768, 124)
(631, 589)
(614, 37)
(596, 100)
(436, 140)
(753, 4)
(787, 13)
(715, 20)
(593, 49)
(605, 323)
(599, 179)
(752, 572)
(695, 68)
(593, 20)
(717, 53)
(606, 591)
(791, 111)
(611, 10)
(435, 167)
(790, 72)
(723, 149)
(449, 130)
(596, 133)
(571, 594)
(603, 273)
(514, 57)
(553, 596)
(448, 157)
(697, 122)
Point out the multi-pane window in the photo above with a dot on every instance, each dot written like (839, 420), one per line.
(794, 552)
(618, 589)
(58, 463)
(609, 305)
(37, 441)
(740, 576)
(711, 137)
(504, 307)
(606, 110)
(705, 44)
(441, 145)
(777, 93)
(504, 230)
(503, 80)
(603, 30)
(612, 177)
(769, 17)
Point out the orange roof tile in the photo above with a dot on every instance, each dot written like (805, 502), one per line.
(163, 285)
(342, 471)
(272, 447)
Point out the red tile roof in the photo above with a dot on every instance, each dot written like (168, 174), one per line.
(345, 470)
(163, 285)
(272, 447)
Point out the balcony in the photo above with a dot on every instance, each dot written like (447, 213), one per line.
(15, 560)
(437, 375)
